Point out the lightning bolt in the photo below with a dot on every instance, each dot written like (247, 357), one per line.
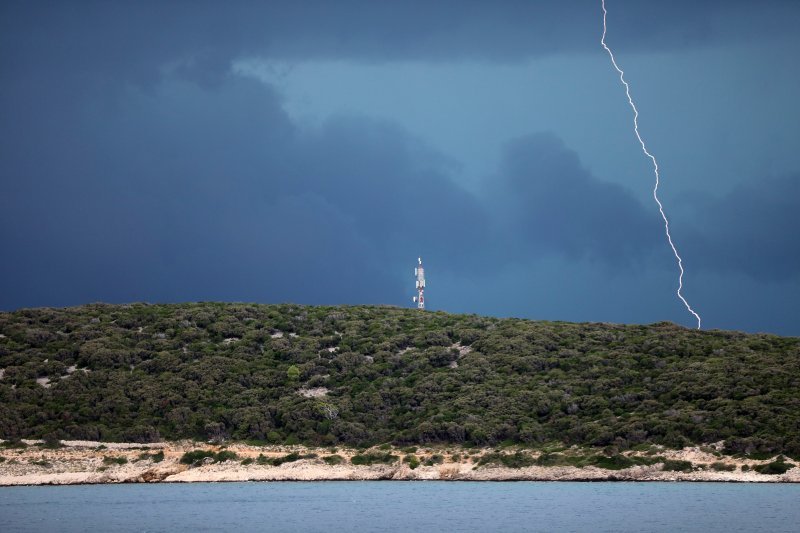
(655, 166)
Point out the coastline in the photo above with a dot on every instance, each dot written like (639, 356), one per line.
(84, 462)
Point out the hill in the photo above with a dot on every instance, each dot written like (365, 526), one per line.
(366, 375)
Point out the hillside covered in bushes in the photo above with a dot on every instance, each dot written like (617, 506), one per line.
(367, 375)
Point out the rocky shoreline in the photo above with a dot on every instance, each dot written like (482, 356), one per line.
(83, 462)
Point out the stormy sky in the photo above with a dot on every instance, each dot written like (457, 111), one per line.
(310, 151)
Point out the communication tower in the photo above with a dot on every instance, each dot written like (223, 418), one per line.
(419, 273)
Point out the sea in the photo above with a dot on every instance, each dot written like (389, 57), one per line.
(354, 506)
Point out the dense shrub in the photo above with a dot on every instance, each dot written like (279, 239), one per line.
(196, 456)
(780, 466)
(550, 459)
(333, 459)
(225, 455)
(435, 459)
(722, 467)
(412, 461)
(155, 457)
(290, 458)
(676, 465)
(373, 458)
(514, 460)
(613, 462)
(51, 442)
(147, 372)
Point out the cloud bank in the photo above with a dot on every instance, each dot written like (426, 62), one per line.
(136, 166)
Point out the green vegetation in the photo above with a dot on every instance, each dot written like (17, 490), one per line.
(577, 459)
(779, 466)
(333, 459)
(248, 461)
(675, 465)
(117, 460)
(435, 459)
(51, 442)
(613, 462)
(155, 457)
(225, 455)
(515, 460)
(197, 457)
(619, 461)
(550, 459)
(290, 458)
(361, 376)
(412, 461)
(373, 458)
(722, 467)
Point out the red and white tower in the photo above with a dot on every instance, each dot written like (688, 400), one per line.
(419, 273)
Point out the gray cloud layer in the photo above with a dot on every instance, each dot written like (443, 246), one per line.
(555, 204)
(752, 230)
(134, 166)
(136, 41)
(185, 191)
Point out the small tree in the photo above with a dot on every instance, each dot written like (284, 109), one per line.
(293, 373)
(52, 441)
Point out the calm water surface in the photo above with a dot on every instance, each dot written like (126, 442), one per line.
(403, 506)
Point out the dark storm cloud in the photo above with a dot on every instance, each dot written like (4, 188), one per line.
(554, 204)
(134, 165)
(185, 191)
(545, 198)
(397, 190)
(188, 191)
(752, 230)
(138, 41)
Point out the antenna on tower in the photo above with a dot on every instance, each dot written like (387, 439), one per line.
(419, 273)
